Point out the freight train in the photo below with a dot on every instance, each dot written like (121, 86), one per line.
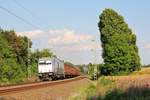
(54, 68)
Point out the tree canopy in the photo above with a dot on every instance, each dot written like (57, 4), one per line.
(120, 52)
(14, 58)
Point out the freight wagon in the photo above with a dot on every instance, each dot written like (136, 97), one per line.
(54, 68)
(71, 71)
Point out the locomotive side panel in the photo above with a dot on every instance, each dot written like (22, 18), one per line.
(58, 68)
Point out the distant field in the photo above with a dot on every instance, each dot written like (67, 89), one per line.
(142, 71)
(132, 87)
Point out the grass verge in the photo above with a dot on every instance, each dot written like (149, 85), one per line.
(136, 87)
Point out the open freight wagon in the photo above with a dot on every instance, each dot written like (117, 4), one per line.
(71, 71)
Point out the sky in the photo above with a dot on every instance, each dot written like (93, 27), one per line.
(69, 27)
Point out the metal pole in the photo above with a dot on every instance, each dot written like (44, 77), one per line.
(28, 71)
(94, 54)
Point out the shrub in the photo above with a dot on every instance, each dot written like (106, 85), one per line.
(105, 81)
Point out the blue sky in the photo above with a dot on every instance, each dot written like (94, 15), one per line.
(75, 20)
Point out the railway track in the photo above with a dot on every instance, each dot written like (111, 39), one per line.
(20, 88)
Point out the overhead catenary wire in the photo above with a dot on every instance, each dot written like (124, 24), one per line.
(19, 4)
(27, 22)
(28, 11)
(20, 18)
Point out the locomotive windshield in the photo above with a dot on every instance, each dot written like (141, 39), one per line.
(45, 63)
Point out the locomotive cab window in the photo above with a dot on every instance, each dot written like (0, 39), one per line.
(48, 63)
(42, 63)
(45, 63)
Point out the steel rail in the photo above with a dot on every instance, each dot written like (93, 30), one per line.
(21, 88)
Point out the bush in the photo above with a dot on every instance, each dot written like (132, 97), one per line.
(132, 93)
(114, 95)
(105, 81)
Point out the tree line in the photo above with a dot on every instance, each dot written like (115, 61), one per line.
(14, 57)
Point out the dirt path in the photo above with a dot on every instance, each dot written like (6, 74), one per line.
(57, 92)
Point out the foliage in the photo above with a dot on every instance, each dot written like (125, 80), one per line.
(46, 53)
(132, 87)
(39, 54)
(83, 68)
(85, 92)
(120, 52)
(15, 57)
(105, 81)
(94, 70)
(132, 93)
(91, 70)
(10, 70)
(122, 88)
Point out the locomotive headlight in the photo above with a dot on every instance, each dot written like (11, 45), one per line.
(50, 73)
(40, 74)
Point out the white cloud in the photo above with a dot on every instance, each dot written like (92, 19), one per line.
(147, 46)
(69, 40)
(31, 34)
(63, 42)
(144, 44)
(81, 47)
(66, 36)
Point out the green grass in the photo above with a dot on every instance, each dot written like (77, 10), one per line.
(85, 92)
(135, 86)
(93, 90)
(126, 88)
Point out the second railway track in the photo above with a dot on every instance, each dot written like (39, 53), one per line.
(20, 88)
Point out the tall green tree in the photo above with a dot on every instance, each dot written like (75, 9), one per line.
(120, 52)
(10, 70)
